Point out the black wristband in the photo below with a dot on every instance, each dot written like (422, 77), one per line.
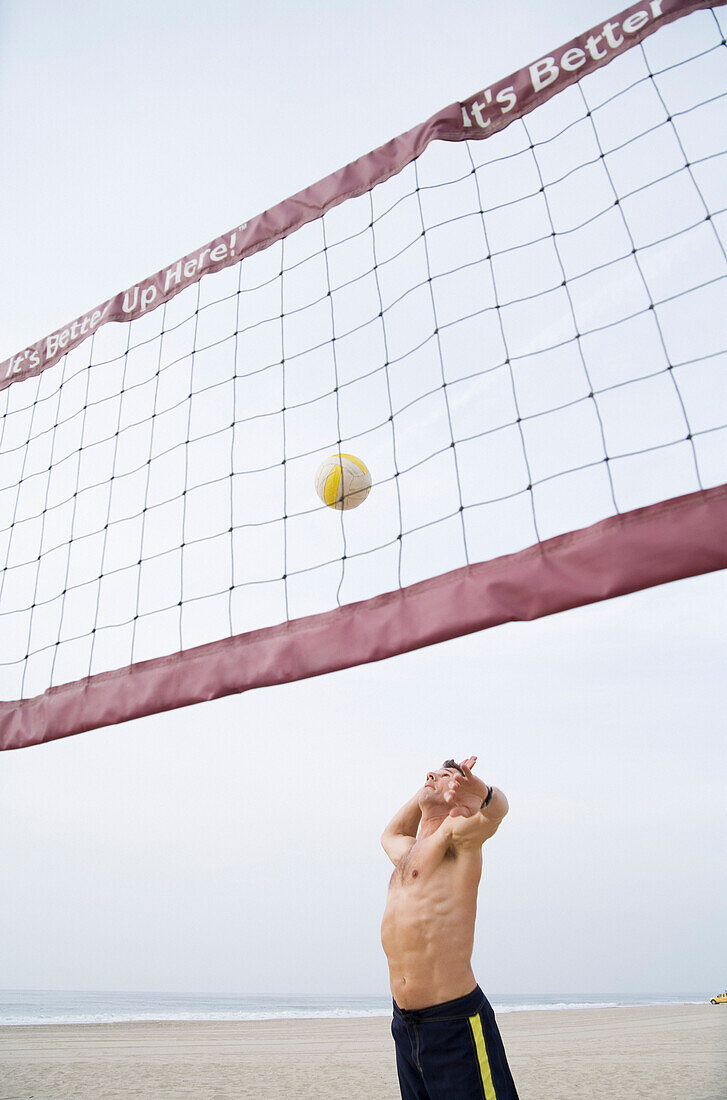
(487, 801)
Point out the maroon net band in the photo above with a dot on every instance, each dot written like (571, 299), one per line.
(480, 116)
(654, 545)
(508, 415)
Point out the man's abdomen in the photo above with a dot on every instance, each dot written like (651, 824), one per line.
(428, 949)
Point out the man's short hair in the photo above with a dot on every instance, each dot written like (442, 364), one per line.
(452, 764)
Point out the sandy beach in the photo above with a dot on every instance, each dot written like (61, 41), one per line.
(618, 1053)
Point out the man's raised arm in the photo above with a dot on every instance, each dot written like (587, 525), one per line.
(477, 809)
(399, 835)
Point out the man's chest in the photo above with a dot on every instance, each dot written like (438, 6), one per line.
(423, 865)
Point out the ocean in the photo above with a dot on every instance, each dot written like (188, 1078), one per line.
(18, 1007)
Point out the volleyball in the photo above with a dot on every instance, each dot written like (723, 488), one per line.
(342, 481)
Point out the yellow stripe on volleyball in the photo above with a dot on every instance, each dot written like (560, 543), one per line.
(342, 481)
(483, 1060)
(358, 462)
(331, 486)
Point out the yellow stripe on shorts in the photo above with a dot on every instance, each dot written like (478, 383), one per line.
(330, 489)
(484, 1061)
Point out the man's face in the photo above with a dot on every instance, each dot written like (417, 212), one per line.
(436, 785)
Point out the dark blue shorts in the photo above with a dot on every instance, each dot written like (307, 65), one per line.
(451, 1051)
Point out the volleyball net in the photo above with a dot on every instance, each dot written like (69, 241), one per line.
(524, 338)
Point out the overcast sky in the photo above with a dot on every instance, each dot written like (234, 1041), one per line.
(234, 846)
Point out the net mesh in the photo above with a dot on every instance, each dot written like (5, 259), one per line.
(519, 337)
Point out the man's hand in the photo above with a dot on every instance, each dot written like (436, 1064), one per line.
(466, 792)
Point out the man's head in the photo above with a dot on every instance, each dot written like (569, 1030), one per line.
(437, 784)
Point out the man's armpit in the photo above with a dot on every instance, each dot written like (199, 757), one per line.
(396, 847)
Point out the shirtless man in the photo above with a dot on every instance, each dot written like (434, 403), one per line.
(448, 1045)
